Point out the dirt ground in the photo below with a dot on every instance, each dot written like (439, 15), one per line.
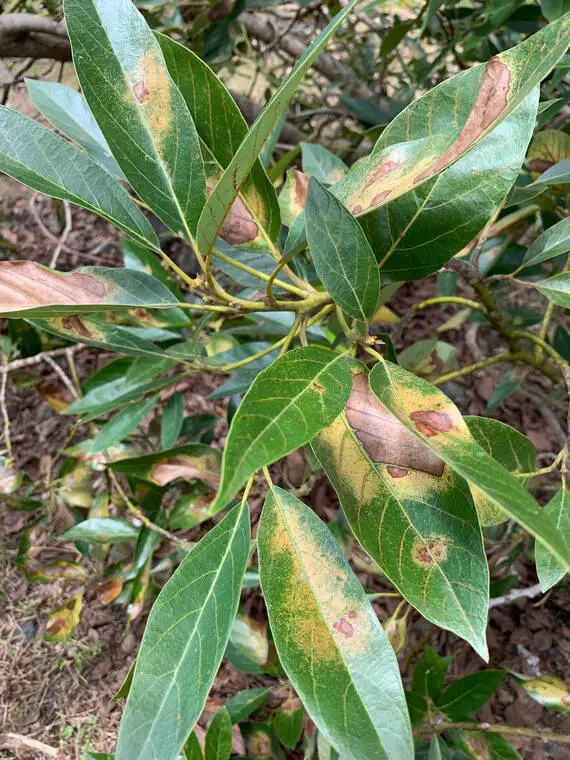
(60, 694)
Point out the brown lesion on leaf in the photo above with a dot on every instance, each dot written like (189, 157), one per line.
(357, 209)
(397, 472)
(76, 325)
(431, 422)
(141, 92)
(27, 285)
(301, 186)
(152, 89)
(239, 226)
(316, 386)
(386, 168)
(490, 103)
(384, 438)
(345, 628)
(429, 552)
(379, 198)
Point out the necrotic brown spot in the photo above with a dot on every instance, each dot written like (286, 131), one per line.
(239, 227)
(540, 165)
(431, 423)
(383, 437)
(74, 324)
(357, 209)
(378, 199)
(490, 103)
(141, 91)
(382, 171)
(397, 472)
(344, 627)
(432, 551)
(301, 185)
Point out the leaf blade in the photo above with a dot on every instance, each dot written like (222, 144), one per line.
(299, 559)
(404, 394)
(150, 727)
(295, 397)
(549, 570)
(125, 80)
(341, 253)
(40, 159)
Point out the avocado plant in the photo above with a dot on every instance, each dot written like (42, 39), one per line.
(156, 142)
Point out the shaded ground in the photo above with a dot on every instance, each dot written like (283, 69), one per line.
(60, 693)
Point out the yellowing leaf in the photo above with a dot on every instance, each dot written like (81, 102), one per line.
(435, 420)
(410, 512)
(65, 619)
(328, 638)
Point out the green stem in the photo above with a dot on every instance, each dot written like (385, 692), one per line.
(493, 728)
(543, 332)
(280, 166)
(505, 356)
(260, 275)
(448, 299)
(543, 345)
(272, 279)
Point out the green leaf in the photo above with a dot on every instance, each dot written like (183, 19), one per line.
(194, 461)
(437, 749)
(429, 673)
(554, 242)
(288, 722)
(511, 449)
(219, 736)
(506, 385)
(341, 253)
(184, 642)
(192, 748)
(553, 9)
(141, 259)
(118, 428)
(139, 110)
(473, 743)
(442, 126)
(28, 289)
(287, 404)
(468, 694)
(221, 128)
(414, 235)
(394, 36)
(414, 516)
(320, 163)
(245, 703)
(549, 570)
(42, 160)
(172, 421)
(102, 335)
(226, 191)
(105, 530)
(327, 635)
(68, 111)
(436, 421)
(559, 174)
(556, 289)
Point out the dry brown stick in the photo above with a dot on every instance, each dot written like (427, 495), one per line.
(18, 742)
(31, 360)
(64, 378)
(64, 235)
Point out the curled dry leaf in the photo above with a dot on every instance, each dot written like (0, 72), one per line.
(384, 438)
(293, 197)
(110, 590)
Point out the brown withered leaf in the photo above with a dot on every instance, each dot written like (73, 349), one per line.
(184, 467)
(109, 590)
(25, 284)
(384, 438)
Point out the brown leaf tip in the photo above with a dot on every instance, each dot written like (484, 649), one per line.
(430, 423)
(430, 552)
(344, 627)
